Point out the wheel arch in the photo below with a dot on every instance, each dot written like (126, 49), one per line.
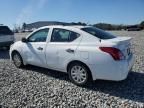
(16, 51)
(78, 61)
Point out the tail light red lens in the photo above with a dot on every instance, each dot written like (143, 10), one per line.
(114, 52)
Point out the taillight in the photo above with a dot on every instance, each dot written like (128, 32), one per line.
(114, 52)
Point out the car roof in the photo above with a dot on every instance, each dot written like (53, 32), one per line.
(63, 26)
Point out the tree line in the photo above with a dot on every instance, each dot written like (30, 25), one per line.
(104, 26)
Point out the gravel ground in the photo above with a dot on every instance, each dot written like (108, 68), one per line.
(38, 87)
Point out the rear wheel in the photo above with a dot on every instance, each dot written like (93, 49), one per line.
(17, 60)
(79, 74)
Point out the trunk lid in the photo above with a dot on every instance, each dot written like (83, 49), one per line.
(6, 34)
(124, 44)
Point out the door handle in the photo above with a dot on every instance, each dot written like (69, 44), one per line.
(70, 50)
(40, 48)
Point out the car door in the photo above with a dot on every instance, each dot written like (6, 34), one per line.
(61, 48)
(34, 48)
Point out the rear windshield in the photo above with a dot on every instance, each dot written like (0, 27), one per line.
(98, 33)
(4, 30)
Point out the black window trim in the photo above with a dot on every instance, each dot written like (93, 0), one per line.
(65, 30)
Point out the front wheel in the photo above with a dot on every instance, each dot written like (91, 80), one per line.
(79, 74)
(17, 60)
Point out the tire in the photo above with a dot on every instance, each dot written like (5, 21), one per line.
(79, 74)
(17, 60)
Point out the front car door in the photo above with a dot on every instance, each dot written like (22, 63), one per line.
(34, 48)
(61, 48)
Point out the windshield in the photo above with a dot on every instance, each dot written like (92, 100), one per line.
(98, 33)
(4, 30)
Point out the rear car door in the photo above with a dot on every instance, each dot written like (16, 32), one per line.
(61, 48)
(34, 48)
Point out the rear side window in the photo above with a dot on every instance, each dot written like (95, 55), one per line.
(62, 35)
(4, 30)
(98, 33)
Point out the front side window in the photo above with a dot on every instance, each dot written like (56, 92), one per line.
(39, 36)
(62, 35)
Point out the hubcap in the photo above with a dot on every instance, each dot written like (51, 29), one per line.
(78, 74)
(17, 60)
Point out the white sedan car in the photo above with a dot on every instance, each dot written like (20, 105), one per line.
(84, 52)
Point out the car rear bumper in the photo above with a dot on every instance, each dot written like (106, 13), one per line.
(116, 71)
(5, 44)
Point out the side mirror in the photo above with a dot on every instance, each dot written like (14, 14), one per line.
(24, 40)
